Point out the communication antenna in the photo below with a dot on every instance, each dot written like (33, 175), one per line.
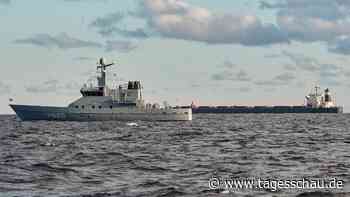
(103, 65)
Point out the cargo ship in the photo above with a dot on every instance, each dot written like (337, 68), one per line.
(315, 102)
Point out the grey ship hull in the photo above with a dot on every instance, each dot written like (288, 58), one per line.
(36, 113)
(29, 112)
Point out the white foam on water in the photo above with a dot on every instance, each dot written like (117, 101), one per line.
(132, 124)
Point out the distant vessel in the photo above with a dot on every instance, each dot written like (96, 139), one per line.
(314, 103)
(100, 103)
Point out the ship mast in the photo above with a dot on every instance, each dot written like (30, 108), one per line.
(102, 66)
(316, 90)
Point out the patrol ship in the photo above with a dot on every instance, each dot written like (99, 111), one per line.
(315, 102)
(101, 103)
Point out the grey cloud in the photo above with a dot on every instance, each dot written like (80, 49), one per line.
(270, 89)
(244, 89)
(104, 1)
(61, 41)
(314, 21)
(268, 5)
(83, 58)
(107, 31)
(297, 20)
(121, 46)
(180, 20)
(272, 55)
(222, 76)
(228, 64)
(279, 80)
(259, 35)
(290, 67)
(5, 2)
(287, 77)
(4, 88)
(195, 85)
(267, 83)
(106, 24)
(323, 9)
(329, 70)
(53, 86)
(317, 20)
(46, 87)
(340, 45)
(137, 33)
(231, 76)
(302, 61)
(330, 74)
(347, 73)
(312, 29)
(72, 86)
(330, 82)
(242, 76)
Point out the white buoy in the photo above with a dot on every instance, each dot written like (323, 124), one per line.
(132, 124)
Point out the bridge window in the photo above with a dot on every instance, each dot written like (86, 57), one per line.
(93, 107)
(82, 106)
(77, 106)
(99, 107)
(111, 107)
(92, 93)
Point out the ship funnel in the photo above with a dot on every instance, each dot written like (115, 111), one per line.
(327, 96)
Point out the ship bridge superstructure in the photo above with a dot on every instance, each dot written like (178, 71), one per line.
(128, 93)
(319, 100)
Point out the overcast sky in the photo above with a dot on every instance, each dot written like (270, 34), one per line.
(241, 52)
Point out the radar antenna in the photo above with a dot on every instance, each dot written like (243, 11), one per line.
(103, 65)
